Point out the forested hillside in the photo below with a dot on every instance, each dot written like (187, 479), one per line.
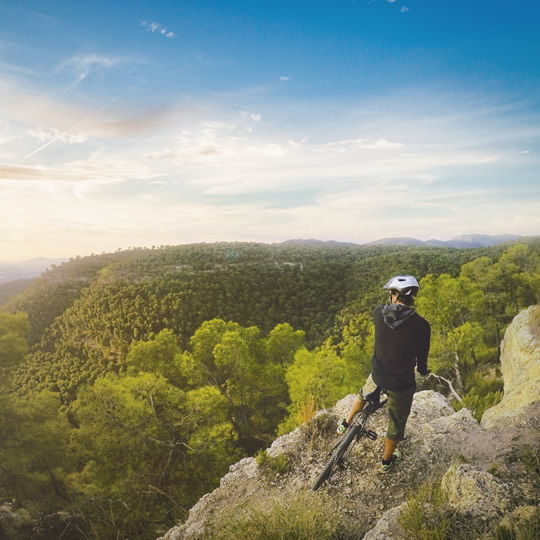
(130, 381)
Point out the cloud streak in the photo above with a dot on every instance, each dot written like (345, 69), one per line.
(84, 65)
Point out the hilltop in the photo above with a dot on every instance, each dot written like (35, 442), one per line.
(131, 381)
(458, 477)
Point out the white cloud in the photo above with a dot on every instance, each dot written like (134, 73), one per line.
(46, 135)
(391, 1)
(445, 159)
(404, 9)
(285, 78)
(359, 144)
(157, 27)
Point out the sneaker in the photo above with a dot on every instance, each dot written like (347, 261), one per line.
(383, 468)
(341, 427)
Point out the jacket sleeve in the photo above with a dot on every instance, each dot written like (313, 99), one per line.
(423, 348)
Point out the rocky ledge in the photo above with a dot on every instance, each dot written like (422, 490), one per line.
(487, 473)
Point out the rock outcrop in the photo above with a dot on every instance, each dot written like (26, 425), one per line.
(520, 365)
(486, 474)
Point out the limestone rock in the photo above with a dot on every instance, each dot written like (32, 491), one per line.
(520, 365)
(387, 527)
(475, 493)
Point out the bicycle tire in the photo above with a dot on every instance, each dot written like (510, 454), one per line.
(335, 456)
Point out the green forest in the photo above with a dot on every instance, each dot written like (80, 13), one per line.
(131, 381)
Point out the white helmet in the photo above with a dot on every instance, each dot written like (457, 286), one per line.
(406, 285)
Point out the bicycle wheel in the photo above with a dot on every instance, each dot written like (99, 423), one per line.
(335, 456)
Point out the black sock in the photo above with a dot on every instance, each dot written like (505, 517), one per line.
(386, 462)
(345, 423)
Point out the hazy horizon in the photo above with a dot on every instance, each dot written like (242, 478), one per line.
(133, 124)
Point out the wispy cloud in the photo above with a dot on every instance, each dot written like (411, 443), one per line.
(285, 78)
(98, 168)
(84, 65)
(46, 135)
(359, 144)
(404, 9)
(152, 26)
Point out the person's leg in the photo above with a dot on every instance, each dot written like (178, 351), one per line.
(357, 406)
(399, 407)
(389, 448)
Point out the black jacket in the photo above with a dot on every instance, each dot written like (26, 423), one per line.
(402, 340)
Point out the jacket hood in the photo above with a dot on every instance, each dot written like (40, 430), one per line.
(395, 315)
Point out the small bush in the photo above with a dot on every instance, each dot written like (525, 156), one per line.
(424, 516)
(521, 530)
(280, 464)
(296, 516)
(530, 457)
(495, 470)
(479, 404)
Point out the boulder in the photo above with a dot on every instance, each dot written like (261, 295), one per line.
(475, 493)
(388, 527)
(520, 365)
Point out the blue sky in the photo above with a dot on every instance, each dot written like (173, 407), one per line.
(147, 123)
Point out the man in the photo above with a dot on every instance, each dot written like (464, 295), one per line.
(402, 339)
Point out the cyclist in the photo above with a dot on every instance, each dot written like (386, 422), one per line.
(402, 339)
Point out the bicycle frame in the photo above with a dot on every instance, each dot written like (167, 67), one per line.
(357, 429)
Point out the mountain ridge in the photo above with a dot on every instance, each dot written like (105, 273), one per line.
(32, 268)
(460, 241)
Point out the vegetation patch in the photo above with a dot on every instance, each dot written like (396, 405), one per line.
(279, 464)
(290, 516)
(425, 515)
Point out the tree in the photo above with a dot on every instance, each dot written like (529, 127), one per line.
(13, 344)
(246, 370)
(282, 344)
(147, 451)
(159, 355)
(315, 380)
(451, 306)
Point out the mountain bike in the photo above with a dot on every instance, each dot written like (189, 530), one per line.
(357, 429)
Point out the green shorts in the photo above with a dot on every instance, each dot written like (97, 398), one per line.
(399, 407)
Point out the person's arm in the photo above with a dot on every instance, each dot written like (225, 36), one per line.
(423, 350)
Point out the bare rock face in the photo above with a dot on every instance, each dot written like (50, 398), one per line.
(476, 493)
(520, 365)
(435, 434)
(388, 528)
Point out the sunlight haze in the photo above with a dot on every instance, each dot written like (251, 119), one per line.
(138, 124)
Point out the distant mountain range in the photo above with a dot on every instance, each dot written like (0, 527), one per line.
(462, 241)
(32, 268)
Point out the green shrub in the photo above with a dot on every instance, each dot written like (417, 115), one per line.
(523, 530)
(279, 464)
(478, 404)
(530, 457)
(495, 470)
(424, 516)
(292, 516)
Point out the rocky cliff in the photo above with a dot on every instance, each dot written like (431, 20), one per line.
(520, 365)
(458, 477)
